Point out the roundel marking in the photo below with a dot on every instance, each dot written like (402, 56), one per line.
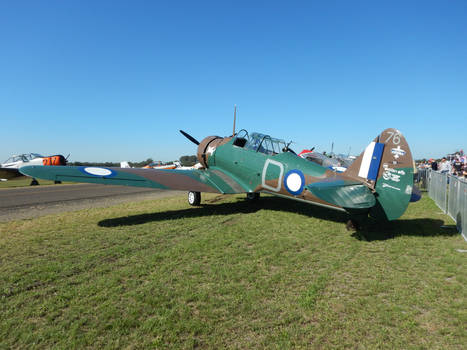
(294, 182)
(95, 171)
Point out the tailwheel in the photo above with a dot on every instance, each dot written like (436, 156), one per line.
(352, 225)
(356, 219)
(252, 196)
(194, 198)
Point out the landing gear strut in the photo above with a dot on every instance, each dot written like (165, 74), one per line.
(34, 182)
(194, 198)
(252, 196)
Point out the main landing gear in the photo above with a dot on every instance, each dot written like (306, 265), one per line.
(194, 198)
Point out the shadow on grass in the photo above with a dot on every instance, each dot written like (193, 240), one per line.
(370, 230)
(241, 206)
(373, 230)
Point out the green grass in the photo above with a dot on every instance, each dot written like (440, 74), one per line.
(275, 274)
(22, 181)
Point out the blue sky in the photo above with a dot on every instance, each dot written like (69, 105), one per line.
(116, 80)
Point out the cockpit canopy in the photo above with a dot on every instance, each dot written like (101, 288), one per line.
(259, 142)
(23, 158)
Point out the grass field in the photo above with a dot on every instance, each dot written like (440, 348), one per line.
(275, 274)
(22, 181)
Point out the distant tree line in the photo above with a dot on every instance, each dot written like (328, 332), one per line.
(188, 160)
(184, 160)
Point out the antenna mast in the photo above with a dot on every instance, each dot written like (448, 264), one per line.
(235, 117)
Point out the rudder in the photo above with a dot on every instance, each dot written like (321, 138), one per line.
(386, 166)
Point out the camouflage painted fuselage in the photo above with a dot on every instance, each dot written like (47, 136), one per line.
(285, 174)
(379, 182)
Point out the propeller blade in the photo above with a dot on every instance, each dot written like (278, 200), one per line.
(189, 137)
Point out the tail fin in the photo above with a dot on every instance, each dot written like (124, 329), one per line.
(386, 166)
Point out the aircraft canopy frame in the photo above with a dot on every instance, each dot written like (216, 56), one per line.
(259, 142)
(22, 158)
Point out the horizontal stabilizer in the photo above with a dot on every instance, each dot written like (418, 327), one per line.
(351, 196)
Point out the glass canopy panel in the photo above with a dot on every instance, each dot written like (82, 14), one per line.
(264, 143)
(34, 156)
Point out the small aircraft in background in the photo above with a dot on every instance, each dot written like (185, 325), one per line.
(338, 163)
(159, 165)
(10, 168)
(378, 183)
(163, 165)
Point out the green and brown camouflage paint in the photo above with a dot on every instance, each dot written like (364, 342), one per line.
(229, 167)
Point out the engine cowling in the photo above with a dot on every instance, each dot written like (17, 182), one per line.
(54, 160)
(207, 147)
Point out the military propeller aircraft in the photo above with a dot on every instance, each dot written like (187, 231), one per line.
(379, 182)
(10, 168)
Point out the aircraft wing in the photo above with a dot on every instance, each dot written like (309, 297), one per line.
(9, 173)
(185, 180)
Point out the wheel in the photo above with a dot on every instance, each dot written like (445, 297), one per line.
(194, 198)
(352, 225)
(57, 182)
(252, 196)
(34, 182)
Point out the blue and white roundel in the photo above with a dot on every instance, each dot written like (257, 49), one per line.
(294, 182)
(95, 171)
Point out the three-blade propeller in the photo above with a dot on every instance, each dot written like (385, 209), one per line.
(189, 137)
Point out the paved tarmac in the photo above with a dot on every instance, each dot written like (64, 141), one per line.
(34, 201)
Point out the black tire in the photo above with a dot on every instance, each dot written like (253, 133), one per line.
(252, 196)
(194, 198)
(352, 225)
(34, 182)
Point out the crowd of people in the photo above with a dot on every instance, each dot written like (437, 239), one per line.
(454, 164)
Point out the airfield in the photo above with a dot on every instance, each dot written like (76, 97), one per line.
(30, 202)
(134, 270)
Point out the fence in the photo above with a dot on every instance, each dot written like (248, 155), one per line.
(421, 178)
(450, 194)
